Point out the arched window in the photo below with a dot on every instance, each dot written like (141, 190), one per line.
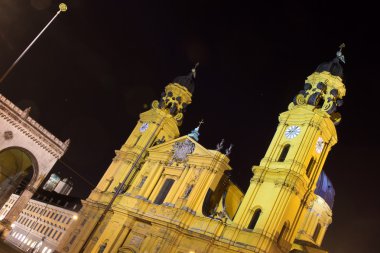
(164, 191)
(282, 234)
(255, 218)
(310, 166)
(206, 207)
(137, 140)
(316, 232)
(284, 153)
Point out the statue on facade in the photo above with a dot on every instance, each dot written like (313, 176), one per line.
(102, 246)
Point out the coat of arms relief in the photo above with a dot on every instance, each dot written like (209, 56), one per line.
(181, 149)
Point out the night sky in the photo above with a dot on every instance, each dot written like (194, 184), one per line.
(103, 62)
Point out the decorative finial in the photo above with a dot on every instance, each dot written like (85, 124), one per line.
(26, 112)
(229, 149)
(195, 133)
(200, 123)
(62, 7)
(67, 142)
(219, 146)
(339, 54)
(193, 70)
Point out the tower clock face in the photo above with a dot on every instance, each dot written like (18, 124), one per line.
(292, 131)
(319, 146)
(144, 127)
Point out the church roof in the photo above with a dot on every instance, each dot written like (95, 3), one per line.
(187, 81)
(333, 66)
(325, 189)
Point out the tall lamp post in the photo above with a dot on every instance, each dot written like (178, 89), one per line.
(37, 246)
(62, 8)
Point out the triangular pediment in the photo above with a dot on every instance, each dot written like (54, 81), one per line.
(168, 147)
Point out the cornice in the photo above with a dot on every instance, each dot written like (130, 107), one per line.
(29, 127)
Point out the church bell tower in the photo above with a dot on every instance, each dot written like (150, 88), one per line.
(283, 184)
(157, 125)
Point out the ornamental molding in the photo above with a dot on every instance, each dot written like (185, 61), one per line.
(181, 150)
(29, 127)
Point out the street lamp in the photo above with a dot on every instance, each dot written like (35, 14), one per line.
(37, 246)
(62, 8)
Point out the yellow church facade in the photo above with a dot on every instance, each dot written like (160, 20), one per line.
(167, 193)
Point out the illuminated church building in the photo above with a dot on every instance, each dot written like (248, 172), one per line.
(167, 193)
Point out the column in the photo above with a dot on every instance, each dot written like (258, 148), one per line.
(13, 214)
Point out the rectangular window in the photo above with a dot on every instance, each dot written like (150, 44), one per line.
(73, 239)
(83, 222)
(164, 191)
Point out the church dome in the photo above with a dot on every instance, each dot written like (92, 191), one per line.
(187, 81)
(333, 66)
(325, 189)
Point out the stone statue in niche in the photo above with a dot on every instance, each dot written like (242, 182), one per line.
(103, 246)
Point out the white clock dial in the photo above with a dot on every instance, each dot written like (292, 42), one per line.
(319, 146)
(292, 131)
(144, 127)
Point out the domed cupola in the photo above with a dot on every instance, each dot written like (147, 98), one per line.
(333, 67)
(195, 133)
(187, 81)
(324, 89)
(325, 189)
(177, 96)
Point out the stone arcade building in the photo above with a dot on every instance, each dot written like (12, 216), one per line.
(25, 148)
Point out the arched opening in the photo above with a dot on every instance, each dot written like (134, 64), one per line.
(213, 196)
(316, 232)
(284, 153)
(282, 234)
(310, 167)
(255, 218)
(18, 168)
(206, 209)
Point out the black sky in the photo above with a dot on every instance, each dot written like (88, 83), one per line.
(93, 70)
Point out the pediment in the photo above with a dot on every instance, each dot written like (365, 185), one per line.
(168, 147)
